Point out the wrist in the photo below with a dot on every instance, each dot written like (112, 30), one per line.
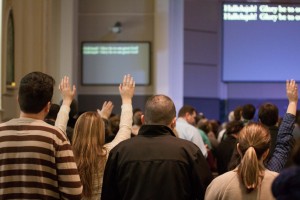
(126, 101)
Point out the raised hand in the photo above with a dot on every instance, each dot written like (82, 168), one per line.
(126, 89)
(67, 92)
(106, 110)
(292, 94)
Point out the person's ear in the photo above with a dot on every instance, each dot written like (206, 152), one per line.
(143, 119)
(173, 123)
(47, 107)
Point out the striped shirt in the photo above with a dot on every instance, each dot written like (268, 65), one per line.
(36, 162)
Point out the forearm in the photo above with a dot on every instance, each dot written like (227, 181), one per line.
(62, 118)
(283, 143)
(124, 128)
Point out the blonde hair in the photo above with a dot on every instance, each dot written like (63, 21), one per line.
(88, 141)
(254, 140)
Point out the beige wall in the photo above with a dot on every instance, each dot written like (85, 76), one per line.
(37, 33)
(95, 19)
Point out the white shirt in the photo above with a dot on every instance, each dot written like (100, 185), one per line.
(188, 132)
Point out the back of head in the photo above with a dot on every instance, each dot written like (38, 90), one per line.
(114, 123)
(237, 113)
(159, 109)
(186, 109)
(88, 140)
(268, 114)
(248, 111)
(36, 90)
(234, 127)
(254, 140)
(88, 131)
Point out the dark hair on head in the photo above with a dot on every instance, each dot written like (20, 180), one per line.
(36, 90)
(137, 118)
(237, 113)
(186, 109)
(248, 111)
(254, 140)
(159, 109)
(268, 114)
(234, 127)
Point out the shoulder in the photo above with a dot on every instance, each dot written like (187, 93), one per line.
(221, 183)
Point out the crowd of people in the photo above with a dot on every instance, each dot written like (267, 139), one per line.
(53, 152)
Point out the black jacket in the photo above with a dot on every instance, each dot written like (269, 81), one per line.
(155, 165)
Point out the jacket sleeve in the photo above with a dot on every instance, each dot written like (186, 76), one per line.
(109, 187)
(201, 175)
(284, 144)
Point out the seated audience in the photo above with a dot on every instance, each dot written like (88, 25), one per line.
(37, 158)
(155, 164)
(89, 146)
(185, 126)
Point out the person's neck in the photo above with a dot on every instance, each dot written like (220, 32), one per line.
(40, 115)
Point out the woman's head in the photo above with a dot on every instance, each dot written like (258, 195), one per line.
(89, 131)
(253, 145)
(88, 140)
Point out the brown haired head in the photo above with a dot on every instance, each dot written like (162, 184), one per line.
(253, 144)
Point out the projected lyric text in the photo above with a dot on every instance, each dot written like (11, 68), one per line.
(262, 12)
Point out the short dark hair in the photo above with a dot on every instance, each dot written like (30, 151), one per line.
(234, 127)
(248, 111)
(268, 114)
(159, 109)
(36, 90)
(186, 109)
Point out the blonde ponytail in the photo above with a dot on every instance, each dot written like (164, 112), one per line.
(249, 169)
(254, 141)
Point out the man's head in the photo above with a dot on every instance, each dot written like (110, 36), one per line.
(268, 114)
(160, 109)
(248, 112)
(35, 92)
(189, 113)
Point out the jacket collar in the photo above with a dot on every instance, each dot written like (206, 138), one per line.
(155, 130)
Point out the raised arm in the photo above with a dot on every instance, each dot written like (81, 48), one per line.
(284, 141)
(126, 90)
(67, 93)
